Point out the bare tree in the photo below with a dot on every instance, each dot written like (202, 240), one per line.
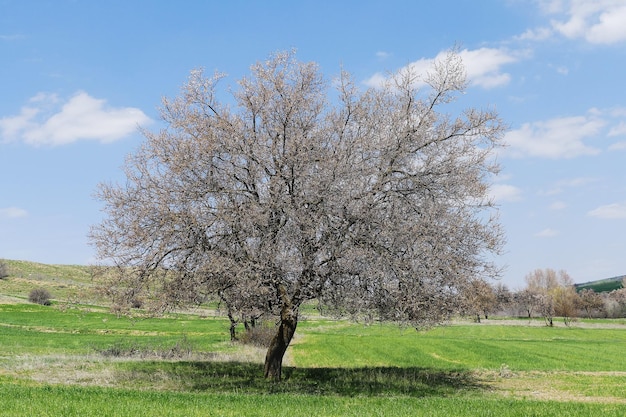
(481, 299)
(615, 303)
(566, 302)
(591, 301)
(373, 202)
(555, 293)
(526, 301)
(504, 297)
(542, 281)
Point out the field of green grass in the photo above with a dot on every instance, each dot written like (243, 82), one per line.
(80, 360)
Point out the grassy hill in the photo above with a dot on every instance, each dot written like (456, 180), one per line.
(64, 282)
(602, 285)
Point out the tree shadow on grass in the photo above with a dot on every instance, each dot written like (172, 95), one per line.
(241, 377)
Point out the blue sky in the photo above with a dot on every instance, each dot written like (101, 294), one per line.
(78, 77)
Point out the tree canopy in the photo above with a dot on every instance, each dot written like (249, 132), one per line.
(374, 202)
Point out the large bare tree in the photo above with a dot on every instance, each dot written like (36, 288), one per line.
(298, 188)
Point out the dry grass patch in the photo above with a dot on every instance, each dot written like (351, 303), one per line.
(563, 386)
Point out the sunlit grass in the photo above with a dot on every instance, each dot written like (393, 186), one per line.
(468, 346)
(86, 361)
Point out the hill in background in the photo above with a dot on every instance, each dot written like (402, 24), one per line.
(64, 282)
(603, 285)
(67, 282)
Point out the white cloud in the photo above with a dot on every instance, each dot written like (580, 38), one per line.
(547, 233)
(610, 211)
(12, 212)
(596, 21)
(44, 122)
(505, 193)
(538, 34)
(556, 138)
(619, 130)
(483, 67)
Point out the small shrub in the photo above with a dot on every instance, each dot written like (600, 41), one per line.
(260, 335)
(40, 296)
(4, 270)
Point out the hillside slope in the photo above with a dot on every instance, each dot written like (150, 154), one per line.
(65, 282)
(602, 285)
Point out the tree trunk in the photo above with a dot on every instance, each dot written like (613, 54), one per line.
(233, 325)
(280, 342)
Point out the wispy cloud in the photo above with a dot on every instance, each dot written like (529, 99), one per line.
(555, 138)
(561, 185)
(12, 212)
(547, 233)
(568, 137)
(618, 146)
(538, 34)
(501, 193)
(619, 130)
(558, 205)
(8, 38)
(610, 211)
(483, 67)
(48, 120)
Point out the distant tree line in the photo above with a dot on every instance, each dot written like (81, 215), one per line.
(547, 294)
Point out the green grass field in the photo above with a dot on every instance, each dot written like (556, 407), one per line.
(80, 360)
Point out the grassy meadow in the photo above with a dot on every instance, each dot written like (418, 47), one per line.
(75, 359)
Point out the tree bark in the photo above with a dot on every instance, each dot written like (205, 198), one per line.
(233, 325)
(280, 342)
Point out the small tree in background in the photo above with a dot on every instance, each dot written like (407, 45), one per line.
(504, 297)
(615, 303)
(481, 299)
(40, 296)
(555, 292)
(566, 302)
(591, 301)
(527, 301)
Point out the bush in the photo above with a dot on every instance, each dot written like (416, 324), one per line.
(40, 296)
(260, 335)
(4, 270)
